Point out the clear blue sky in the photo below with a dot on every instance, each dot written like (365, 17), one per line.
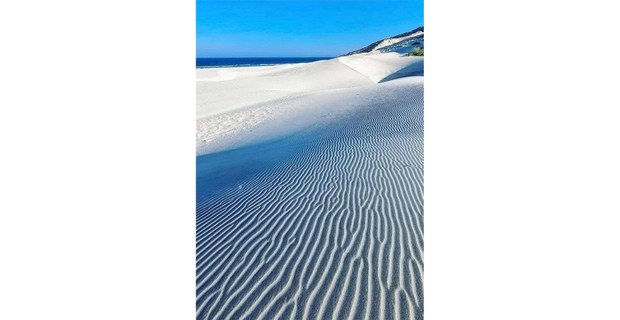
(317, 28)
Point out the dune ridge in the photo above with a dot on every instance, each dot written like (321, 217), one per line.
(236, 102)
(330, 229)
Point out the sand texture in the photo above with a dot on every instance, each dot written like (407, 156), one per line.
(311, 207)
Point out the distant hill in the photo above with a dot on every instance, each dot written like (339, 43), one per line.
(402, 43)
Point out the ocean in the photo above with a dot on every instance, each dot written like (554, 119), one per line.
(247, 62)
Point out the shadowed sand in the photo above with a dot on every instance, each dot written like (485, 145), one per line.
(315, 211)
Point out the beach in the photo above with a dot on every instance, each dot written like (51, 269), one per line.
(310, 189)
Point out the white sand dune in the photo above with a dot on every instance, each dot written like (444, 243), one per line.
(310, 203)
(225, 74)
(229, 109)
(379, 67)
(270, 83)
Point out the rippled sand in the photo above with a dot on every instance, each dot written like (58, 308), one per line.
(320, 223)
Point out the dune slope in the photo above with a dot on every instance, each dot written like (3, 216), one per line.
(248, 88)
(322, 222)
(233, 102)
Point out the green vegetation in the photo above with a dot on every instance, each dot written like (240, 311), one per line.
(417, 52)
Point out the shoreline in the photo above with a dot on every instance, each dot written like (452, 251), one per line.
(253, 61)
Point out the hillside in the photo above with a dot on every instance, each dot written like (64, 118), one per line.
(401, 43)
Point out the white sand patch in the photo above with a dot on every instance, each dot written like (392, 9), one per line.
(269, 84)
(232, 103)
(225, 74)
(379, 66)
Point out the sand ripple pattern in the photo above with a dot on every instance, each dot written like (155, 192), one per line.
(334, 231)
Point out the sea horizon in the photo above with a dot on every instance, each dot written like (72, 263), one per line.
(207, 62)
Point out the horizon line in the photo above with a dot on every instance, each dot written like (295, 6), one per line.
(266, 57)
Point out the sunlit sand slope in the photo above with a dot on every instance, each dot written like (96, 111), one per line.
(230, 90)
(325, 223)
(234, 103)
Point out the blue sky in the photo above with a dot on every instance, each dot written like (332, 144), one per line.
(317, 28)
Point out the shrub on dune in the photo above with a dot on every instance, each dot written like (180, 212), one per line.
(416, 52)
